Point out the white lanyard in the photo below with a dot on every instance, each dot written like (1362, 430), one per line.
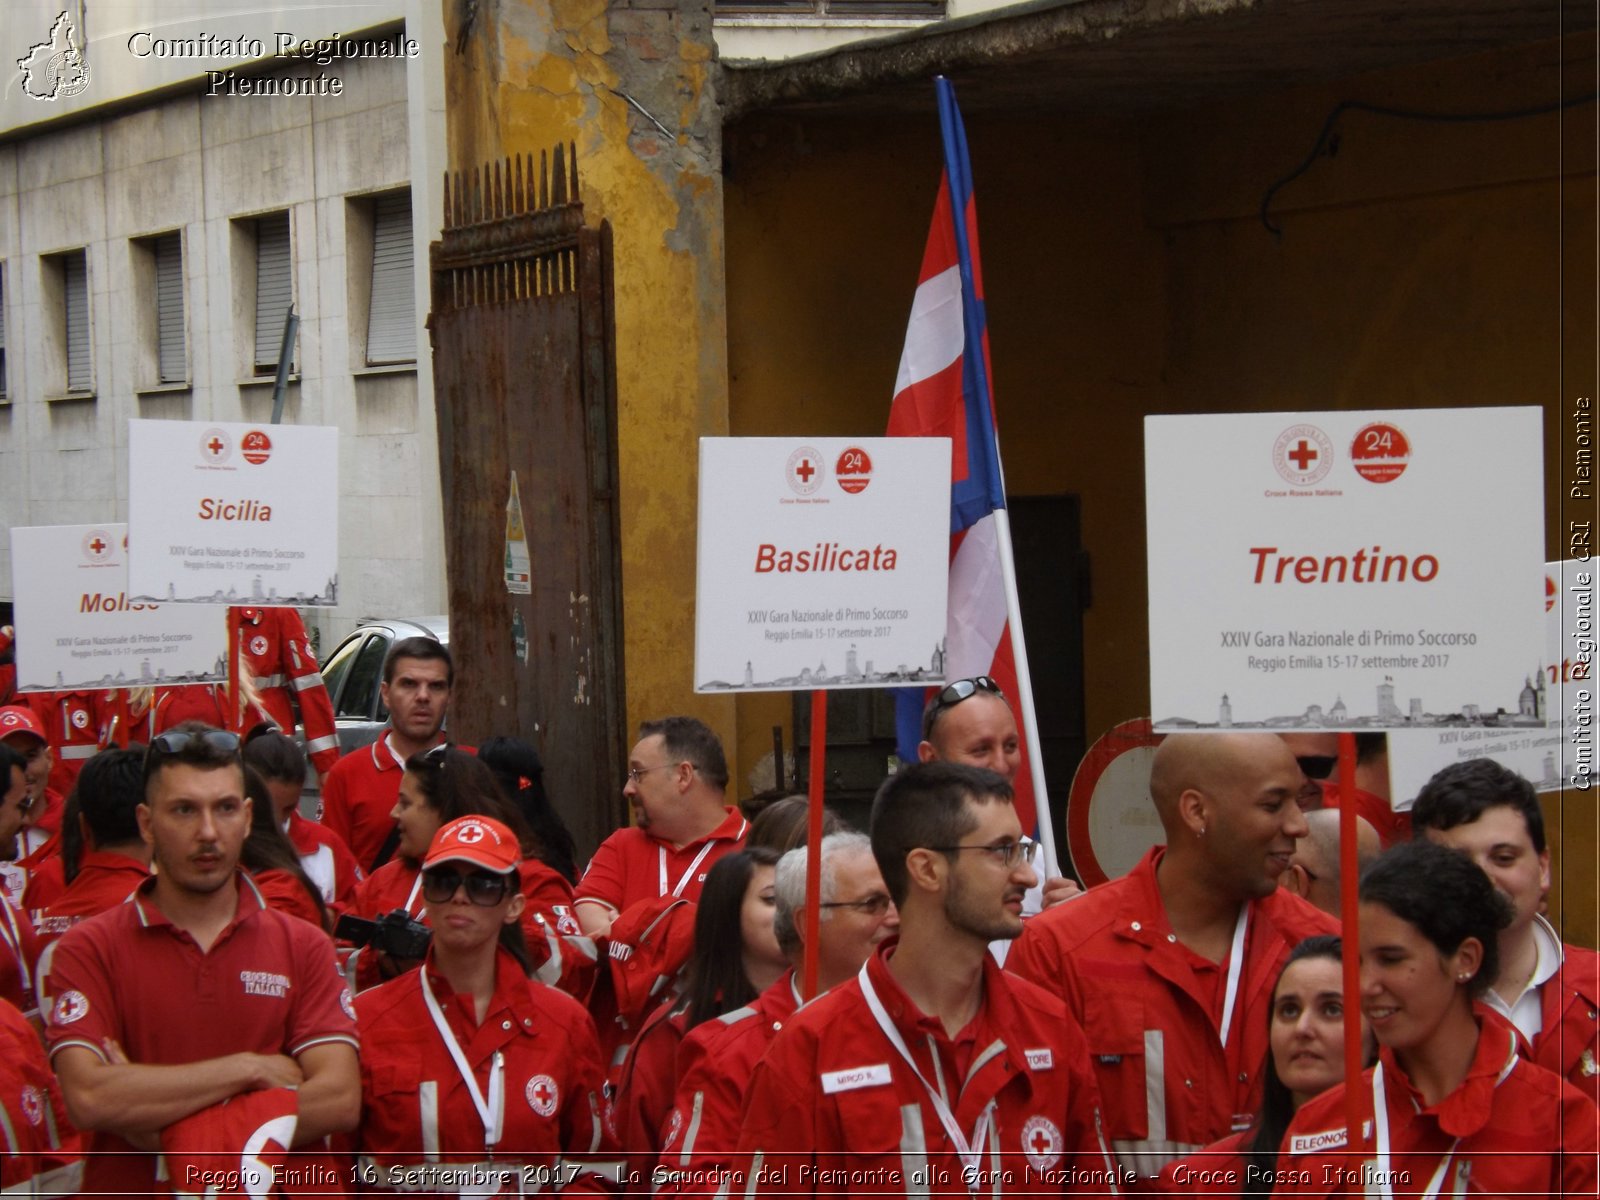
(970, 1153)
(14, 940)
(416, 886)
(683, 880)
(492, 1112)
(1380, 1117)
(1235, 971)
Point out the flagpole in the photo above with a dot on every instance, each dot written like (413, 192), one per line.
(1030, 720)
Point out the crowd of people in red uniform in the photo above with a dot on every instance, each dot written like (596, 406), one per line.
(205, 992)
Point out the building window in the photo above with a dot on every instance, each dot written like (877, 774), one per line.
(274, 288)
(158, 288)
(172, 362)
(65, 305)
(392, 312)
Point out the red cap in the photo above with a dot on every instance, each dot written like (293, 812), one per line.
(15, 718)
(481, 841)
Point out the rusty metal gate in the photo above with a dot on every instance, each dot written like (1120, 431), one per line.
(525, 382)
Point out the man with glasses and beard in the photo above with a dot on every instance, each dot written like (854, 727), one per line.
(193, 995)
(677, 785)
(932, 1071)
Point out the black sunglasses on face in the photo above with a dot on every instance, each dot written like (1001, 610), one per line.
(483, 888)
(1317, 766)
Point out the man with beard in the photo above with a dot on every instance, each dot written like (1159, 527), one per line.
(194, 1013)
(931, 1070)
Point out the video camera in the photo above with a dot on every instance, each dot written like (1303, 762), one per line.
(395, 934)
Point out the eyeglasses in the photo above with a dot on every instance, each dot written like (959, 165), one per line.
(1317, 766)
(208, 745)
(954, 693)
(483, 888)
(874, 905)
(638, 773)
(1007, 854)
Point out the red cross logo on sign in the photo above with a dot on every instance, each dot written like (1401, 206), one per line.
(542, 1095)
(97, 546)
(1303, 455)
(804, 471)
(215, 446)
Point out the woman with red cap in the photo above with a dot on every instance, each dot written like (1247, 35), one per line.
(470, 1071)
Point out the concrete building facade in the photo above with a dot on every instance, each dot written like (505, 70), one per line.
(192, 174)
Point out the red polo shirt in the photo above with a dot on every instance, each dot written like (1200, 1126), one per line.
(104, 881)
(268, 985)
(630, 865)
(359, 793)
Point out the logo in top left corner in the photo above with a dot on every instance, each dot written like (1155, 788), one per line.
(98, 546)
(57, 67)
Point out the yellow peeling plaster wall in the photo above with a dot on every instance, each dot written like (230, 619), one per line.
(540, 73)
(1127, 273)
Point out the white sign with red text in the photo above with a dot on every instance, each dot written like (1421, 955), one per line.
(77, 630)
(1556, 756)
(1344, 570)
(823, 563)
(222, 513)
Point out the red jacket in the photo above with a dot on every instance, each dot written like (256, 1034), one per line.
(415, 1101)
(79, 725)
(104, 880)
(284, 668)
(207, 703)
(19, 955)
(833, 1109)
(325, 859)
(1510, 1126)
(1218, 1170)
(1569, 1042)
(1168, 1085)
(37, 1143)
(359, 794)
(715, 1062)
(646, 1082)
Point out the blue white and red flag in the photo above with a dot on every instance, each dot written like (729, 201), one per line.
(943, 390)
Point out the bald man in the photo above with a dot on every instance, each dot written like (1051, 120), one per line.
(1313, 873)
(970, 721)
(1170, 969)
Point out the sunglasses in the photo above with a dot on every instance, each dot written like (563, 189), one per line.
(1317, 766)
(483, 888)
(206, 746)
(953, 694)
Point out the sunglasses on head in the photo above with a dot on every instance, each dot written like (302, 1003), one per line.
(954, 693)
(202, 746)
(484, 888)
